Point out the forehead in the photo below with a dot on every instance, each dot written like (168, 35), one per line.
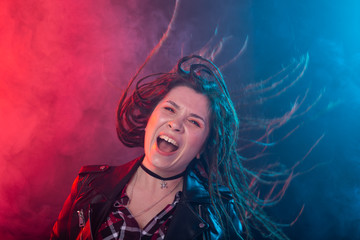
(187, 98)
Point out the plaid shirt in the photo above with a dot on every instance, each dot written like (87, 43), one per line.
(120, 223)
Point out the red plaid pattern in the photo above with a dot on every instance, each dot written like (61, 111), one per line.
(120, 224)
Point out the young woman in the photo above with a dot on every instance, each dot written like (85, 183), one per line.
(190, 183)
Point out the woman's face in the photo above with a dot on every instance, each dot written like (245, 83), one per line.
(176, 131)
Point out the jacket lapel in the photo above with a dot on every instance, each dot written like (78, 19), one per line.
(186, 224)
(115, 182)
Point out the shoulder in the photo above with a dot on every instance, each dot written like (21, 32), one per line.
(197, 189)
(104, 178)
(198, 194)
(93, 169)
(104, 168)
(99, 175)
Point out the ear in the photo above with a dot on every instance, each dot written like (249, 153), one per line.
(198, 156)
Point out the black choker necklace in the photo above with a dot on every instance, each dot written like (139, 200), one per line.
(163, 183)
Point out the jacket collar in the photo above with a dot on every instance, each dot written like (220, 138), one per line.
(108, 189)
(111, 184)
(186, 223)
(194, 188)
(194, 193)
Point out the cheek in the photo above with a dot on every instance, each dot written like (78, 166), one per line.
(154, 122)
(197, 141)
(151, 121)
(149, 130)
(203, 140)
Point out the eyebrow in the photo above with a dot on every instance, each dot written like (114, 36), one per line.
(191, 114)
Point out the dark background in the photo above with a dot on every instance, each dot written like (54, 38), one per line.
(64, 63)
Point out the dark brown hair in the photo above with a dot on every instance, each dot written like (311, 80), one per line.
(220, 160)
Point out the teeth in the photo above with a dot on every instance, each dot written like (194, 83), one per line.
(170, 140)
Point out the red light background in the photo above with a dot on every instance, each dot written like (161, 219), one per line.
(63, 65)
(62, 68)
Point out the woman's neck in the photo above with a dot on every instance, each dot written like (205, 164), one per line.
(149, 182)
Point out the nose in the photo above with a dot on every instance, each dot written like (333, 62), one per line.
(176, 125)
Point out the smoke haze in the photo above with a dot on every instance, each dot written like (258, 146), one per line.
(63, 65)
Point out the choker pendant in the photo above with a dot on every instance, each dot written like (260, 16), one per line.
(163, 183)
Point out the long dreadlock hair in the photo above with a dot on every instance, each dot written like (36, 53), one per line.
(220, 160)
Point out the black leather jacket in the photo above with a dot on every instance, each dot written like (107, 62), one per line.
(96, 188)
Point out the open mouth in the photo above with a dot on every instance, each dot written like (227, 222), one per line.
(166, 144)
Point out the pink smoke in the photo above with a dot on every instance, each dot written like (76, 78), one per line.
(63, 65)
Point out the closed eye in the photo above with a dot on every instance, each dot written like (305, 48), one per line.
(170, 109)
(195, 123)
